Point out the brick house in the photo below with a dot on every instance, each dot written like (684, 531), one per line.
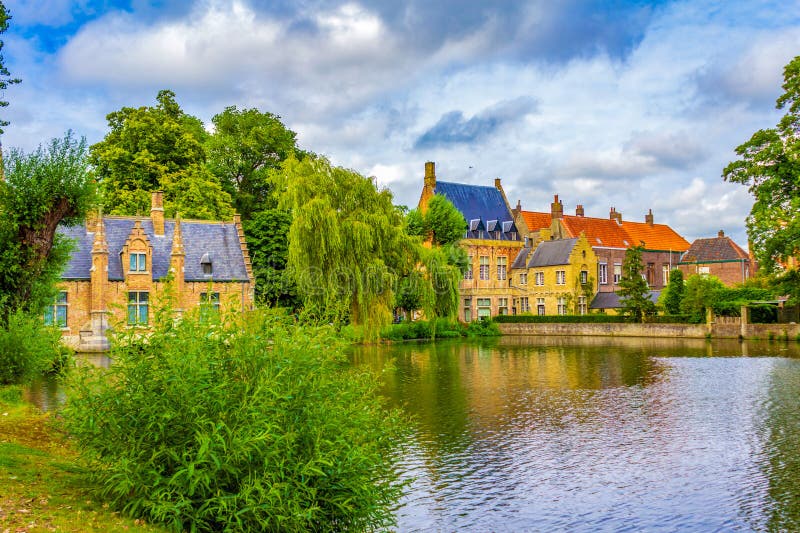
(555, 276)
(610, 238)
(718, 256)
(491, 241)
(121, 266)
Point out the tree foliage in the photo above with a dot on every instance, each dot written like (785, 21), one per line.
(5, 75)
(42, 189)
(769, 163)
(245, 146)
(672, 296)
(699, 296)
(267, 241)
(253, 424)
(157, 148)
(634, 291)
(442, 222)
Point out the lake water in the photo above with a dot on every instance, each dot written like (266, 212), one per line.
(560, 434)
(588, 434)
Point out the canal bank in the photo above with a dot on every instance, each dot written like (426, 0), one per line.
(719, 329)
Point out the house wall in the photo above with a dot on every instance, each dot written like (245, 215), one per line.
(470, 290)
(730, 273)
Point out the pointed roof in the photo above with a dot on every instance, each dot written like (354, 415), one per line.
(606, 232)
(475, 201)
(551, 253)
(719, 248)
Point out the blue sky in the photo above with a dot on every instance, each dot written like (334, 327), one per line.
(636, 105)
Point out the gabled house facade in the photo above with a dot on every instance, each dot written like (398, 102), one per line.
(122, 267)
(718, 256)
(609, 239)
(491, 241)
(555, 277)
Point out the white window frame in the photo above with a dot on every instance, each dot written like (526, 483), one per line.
(602, 273)
(502, 267)
(561, 277)
(484, 268)
(539, 279)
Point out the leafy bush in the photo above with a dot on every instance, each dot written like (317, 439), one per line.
(250, 425)
(483, 328)
(26, 348)
(545, 319)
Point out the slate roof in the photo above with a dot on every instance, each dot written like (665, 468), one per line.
(610, 300)
(220, 240)
(550, 253)
(522, 258)
(480, 203)
(607, 233)
(714, 249)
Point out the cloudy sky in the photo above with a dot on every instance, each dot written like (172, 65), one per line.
(636, 105)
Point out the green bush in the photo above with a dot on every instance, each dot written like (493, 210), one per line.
(578, 319)
(250, 425)
(483, 328)
(27, 348)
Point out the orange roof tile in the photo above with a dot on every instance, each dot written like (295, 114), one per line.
(655, 236)
(599, 231)
(536, 221)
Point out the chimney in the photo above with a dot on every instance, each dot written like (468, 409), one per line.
(615, 215)
(497, 184)
(720, 234)
(556, 208)
(157, 212)
(579, 211)
(649, 217)
(430, 174)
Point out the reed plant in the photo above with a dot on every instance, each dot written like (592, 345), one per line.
(247, 424)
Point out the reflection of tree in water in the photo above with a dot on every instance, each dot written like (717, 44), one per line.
(781, 461)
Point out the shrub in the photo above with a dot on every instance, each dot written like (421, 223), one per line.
(251, 425)
(27, 348)
(483, 328)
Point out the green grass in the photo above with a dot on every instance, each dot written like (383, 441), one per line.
(41, 486)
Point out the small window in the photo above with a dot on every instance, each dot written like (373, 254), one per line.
(484, 308)
(582, 307)
(502, 267)
(138, 262)
(539, 278)
(603, 273)
(467, 309)
(205, 262)
(562, 305)
(209, 304)
(56, 313)
(138, 308)
(469, 273)
(502, 306)
(540, 306)
(523, 278)
(484, 267)
(561, 277)
(524, 306)
(584, 277)
(617, 273)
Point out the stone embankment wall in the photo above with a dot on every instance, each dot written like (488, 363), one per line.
(717, 330)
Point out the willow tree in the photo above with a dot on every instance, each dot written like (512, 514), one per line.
(348, 246)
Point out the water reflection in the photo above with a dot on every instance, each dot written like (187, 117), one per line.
(47, 392)
(566, 434)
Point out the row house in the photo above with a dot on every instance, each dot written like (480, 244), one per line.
(122, 267)
(609, 238)
(491, 240)
(554, 276)
(718, 256)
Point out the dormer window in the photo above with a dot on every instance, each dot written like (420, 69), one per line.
(138, 262)
(205, 263)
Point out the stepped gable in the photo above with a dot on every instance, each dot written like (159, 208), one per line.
(655, 236)
(220, 240)
(719, 248)
(552, 253)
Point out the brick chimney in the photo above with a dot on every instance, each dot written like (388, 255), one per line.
(615, 215)
(720, 234)
(649, 217)
(430, 174)
(157, 212)
(556, 208)
(579, 211)
(497, 184)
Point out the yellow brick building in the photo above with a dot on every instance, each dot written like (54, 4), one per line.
(121, 267)
(555, 277)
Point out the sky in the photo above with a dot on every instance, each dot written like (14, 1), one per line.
(635, 105)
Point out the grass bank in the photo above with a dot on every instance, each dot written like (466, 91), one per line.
(41, 486)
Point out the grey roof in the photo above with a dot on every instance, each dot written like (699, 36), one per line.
(610, 300)
(219, 240)
(522, 258)
(550, 253)
(484, 208)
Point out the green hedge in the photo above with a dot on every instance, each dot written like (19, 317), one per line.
(556, 319)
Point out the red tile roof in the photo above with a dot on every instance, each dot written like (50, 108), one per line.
(606, 232)
(715, 249)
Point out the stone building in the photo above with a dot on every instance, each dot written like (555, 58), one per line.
(718, 256)
(491, 241)
(121, 268)
(555, 276)
(610, 238)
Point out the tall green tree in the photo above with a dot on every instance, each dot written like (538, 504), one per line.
(673, 293)
(700, 295)
(42, 189)
(157, 148)
(442, 222)
(5, 75)
(245, 146)
(267, 235)
(634, 291)
(769, 164)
